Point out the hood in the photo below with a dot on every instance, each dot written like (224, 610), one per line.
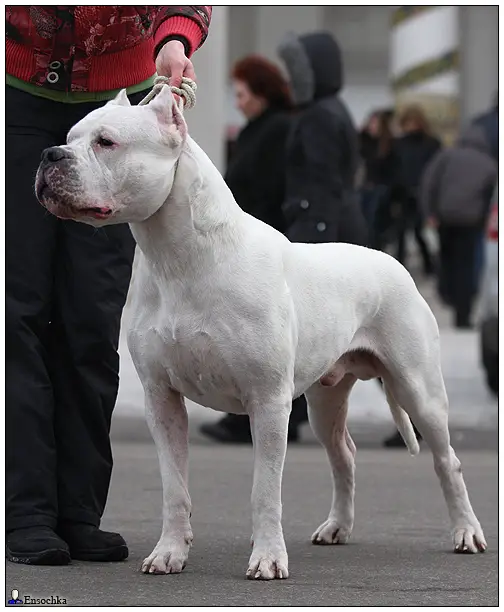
(314, 64)
(473, 137)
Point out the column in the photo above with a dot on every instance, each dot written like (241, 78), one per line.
(242, 31)
(424, 63)
(207, 120)
(479, 58)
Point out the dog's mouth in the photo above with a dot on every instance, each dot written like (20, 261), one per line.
(98, 212)
(64, 209)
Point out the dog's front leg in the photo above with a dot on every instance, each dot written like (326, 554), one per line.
(269, 423)
(167, 419)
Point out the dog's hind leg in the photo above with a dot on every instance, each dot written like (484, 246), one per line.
(416, 383)
(327, 412)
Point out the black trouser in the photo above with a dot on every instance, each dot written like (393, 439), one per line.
(298, 415)
(66, 285)
(458, 251)
(411, 219)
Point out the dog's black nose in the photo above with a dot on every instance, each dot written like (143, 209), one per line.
(53, 154)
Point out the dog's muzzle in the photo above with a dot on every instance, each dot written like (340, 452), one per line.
(57, 184)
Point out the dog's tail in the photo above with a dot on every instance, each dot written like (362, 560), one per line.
(403, 424)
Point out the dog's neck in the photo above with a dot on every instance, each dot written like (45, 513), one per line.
(199, 215)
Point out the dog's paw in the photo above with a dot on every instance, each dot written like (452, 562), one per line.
(331, 532)
(469, 539)
(268, 566)
(166, 559)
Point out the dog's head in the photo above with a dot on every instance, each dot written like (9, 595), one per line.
(118, 165)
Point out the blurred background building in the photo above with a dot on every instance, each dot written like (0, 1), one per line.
(444, 57)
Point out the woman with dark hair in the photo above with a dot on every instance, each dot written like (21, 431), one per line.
(377, 154)
(255, 172)
(414, 150)
(256, 176)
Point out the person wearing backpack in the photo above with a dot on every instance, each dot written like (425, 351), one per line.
(456, 193)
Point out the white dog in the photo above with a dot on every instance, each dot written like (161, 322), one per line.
(229, 313)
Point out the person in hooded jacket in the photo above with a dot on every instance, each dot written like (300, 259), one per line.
(321, 202)
(456, 193)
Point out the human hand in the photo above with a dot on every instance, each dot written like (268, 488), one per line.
(432, 222)
(172, 62)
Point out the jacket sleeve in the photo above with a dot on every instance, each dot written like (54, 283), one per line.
(437, 147)
(430, 185)
(189, 24)
(314, 184)
(491, 178)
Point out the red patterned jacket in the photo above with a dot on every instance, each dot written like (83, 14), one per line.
(96, 48)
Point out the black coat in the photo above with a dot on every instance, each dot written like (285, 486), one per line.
(490, 123)
(379, 169)
(413, 152)
(256, 171)
(322, 151)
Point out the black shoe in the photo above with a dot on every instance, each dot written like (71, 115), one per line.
(223, 432)
(396, 441)
(36, 546)
(293, 434)
(88, 543)
(444, 297)
(464, 325)
(462, 322)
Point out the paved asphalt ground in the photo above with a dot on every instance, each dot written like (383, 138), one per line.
(399, 553)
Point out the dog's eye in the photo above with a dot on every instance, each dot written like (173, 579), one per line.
(104, 142)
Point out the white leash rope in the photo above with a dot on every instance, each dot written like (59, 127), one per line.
(186, 91)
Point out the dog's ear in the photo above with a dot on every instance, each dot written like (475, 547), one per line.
(168, 114)
(121, 99)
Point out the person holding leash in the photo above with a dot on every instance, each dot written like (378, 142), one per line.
(66, 283)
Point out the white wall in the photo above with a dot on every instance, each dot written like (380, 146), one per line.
(242, 32)
(273, 22)
(363, 34)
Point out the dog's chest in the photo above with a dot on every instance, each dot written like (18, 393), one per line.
(190, 356)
